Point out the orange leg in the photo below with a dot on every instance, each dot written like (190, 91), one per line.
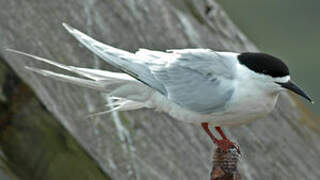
(206, 128)
(219, 130)
(223, 143)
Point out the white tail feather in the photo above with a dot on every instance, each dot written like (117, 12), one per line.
(127, 92)
(124, 105)
(70, 79)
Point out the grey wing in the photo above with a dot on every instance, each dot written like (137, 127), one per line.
(197, 79)
(136, 65)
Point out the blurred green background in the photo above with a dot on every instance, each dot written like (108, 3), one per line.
(289, 29)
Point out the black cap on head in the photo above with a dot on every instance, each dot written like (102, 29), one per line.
(264, 64)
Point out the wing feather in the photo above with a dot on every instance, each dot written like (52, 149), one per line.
(128, 62)
(197, 79)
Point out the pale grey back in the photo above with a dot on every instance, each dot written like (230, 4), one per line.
(197, 79)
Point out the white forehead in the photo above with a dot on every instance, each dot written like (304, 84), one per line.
(282, 79)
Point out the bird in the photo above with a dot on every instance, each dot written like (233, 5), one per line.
(199, 86)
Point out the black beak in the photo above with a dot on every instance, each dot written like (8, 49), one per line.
(294, 88)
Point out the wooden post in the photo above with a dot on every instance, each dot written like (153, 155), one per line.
(225, 164)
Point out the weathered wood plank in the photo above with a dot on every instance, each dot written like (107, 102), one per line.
(33, 144)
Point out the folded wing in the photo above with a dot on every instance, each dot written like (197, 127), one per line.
(197, 79)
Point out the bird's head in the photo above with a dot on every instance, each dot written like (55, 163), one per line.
(271, 72)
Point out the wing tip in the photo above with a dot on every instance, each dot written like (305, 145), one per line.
(75, 32)
(68, 27)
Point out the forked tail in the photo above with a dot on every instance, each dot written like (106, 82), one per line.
(126, 92)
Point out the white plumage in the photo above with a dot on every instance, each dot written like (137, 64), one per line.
(192, 85)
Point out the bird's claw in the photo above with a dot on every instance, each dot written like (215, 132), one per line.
(225, 144)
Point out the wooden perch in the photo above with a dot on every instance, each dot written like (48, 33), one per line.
(145, 144)
(225, 165)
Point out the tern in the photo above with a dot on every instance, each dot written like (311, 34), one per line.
(199, 86)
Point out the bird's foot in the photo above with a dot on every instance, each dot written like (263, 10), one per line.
(225, 144)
